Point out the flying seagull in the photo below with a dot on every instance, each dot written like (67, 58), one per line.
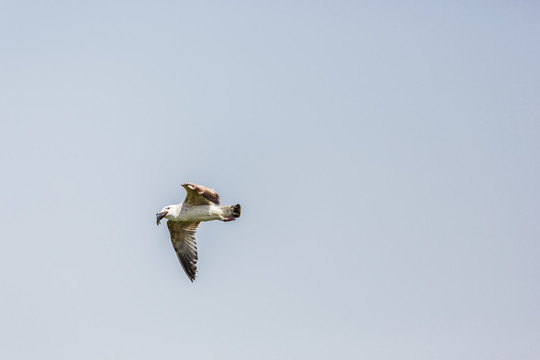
(201, 204)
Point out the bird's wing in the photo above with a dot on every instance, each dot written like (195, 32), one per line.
(200, 195)
(183, 241)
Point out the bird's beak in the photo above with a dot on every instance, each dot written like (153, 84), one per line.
(160, 215)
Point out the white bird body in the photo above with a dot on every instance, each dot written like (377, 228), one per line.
(192, 213)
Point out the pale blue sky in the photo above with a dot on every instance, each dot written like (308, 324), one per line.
(386, 156)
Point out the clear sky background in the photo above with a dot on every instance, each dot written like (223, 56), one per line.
(386, 156)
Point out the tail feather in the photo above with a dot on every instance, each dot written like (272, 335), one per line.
(231, 212)
(236, 210)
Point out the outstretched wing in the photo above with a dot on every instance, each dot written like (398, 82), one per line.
(183, 241)
(200, 195)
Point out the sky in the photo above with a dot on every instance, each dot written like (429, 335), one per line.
(386, 156)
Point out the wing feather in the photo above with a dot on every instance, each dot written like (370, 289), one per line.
(183, 241)
(200, 195)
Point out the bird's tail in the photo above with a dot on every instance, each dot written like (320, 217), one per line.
(231, 212)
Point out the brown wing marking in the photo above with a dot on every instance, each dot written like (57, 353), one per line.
(200, 195)
(183, 241)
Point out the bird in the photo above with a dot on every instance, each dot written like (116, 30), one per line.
(201, 204)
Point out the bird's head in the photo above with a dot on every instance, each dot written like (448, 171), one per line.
(163, 213)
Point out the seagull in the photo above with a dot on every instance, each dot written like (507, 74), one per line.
(201, 204)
